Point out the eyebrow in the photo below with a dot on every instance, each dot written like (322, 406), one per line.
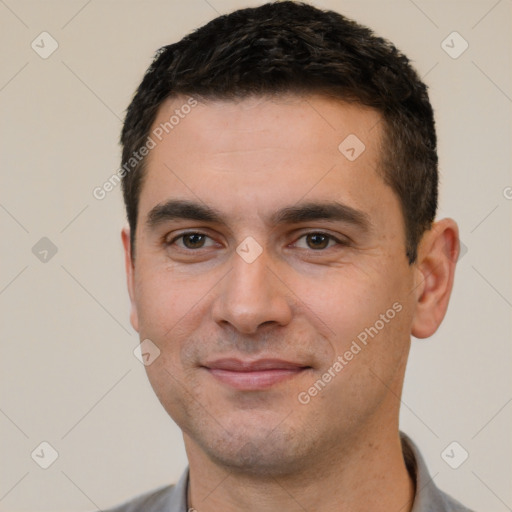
(182, 209)
(304, 212)
(330, 211)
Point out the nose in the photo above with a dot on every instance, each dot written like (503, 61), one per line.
(252, 297)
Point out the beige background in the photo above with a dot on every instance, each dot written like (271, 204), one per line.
(69, 376)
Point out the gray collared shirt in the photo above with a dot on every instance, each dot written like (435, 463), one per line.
(428, 498)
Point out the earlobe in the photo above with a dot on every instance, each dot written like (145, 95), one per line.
(437, 258)
(130, 276)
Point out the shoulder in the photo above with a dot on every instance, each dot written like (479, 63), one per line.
(428, 497)
(169, 498)
(154, 501)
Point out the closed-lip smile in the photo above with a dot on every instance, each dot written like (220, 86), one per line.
(253, 375)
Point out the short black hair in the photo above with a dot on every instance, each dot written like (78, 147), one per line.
(291, 47)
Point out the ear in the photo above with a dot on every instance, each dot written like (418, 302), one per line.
(435, 269)
(130, 276)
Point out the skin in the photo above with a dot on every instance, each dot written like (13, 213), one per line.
(304, 300)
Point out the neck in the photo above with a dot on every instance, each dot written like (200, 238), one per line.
(372, 477)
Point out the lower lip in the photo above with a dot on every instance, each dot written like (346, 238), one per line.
(255, 380)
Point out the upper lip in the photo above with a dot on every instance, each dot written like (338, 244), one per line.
(238, 365)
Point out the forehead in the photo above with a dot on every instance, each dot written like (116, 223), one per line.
(263, 152)
(290, 124)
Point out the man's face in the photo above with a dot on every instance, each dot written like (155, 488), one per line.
(262, 252)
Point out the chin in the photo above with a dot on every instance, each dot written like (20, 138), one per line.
(256, 450)
(257, 458)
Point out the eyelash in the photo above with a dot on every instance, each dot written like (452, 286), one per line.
(331, 238)
(182, 235)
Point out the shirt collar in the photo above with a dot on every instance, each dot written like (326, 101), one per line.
(427, 497)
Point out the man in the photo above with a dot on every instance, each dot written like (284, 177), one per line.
(280, 179)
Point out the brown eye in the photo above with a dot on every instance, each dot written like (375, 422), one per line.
(194, 240)
(317, 241)
(190, 241)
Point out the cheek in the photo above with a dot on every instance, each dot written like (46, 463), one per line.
(163, 300)
(174, 313)
(344, 298)
(370, 304)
